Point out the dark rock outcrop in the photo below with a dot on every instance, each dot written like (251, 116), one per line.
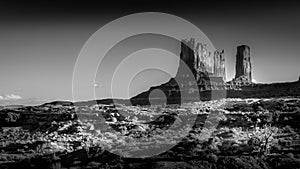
(200, 61)
(219, 64)
(243, 65)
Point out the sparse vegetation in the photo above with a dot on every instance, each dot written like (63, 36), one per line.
(228, 133)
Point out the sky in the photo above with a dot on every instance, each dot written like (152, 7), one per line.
(40, 42)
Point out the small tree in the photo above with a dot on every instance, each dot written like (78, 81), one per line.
(264, 138)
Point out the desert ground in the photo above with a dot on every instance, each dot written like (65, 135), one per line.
(228, 133)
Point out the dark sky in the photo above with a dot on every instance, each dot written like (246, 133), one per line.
(40, 41)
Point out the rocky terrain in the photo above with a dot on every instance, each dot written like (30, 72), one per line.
(227, 134)
(205, 122)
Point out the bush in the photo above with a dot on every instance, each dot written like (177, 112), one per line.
(12, 117)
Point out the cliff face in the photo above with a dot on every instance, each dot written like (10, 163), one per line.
(243, 65)
(219, 64)
(200, 61)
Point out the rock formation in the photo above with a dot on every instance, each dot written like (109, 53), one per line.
(219, 64)
(209, 71)
(243, 65)
(201, 62)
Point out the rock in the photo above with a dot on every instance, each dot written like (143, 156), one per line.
(243, 64)
(219, 64)
(200, 61)
(187, 52)
(113, 119)
(164, 121)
